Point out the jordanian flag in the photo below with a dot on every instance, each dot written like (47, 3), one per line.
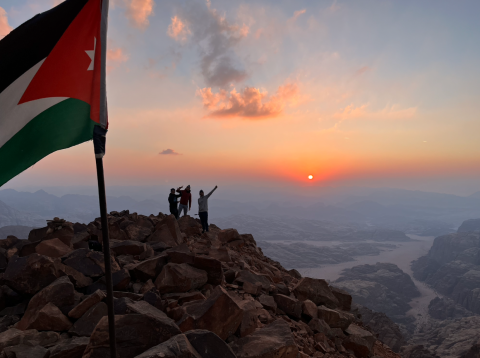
(52, 83)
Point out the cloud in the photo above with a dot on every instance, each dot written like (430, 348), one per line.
(115, 56)
(138, 12)
(215, 39)
(250, 103)
(363, 112)
(363, 70)
(296, 15)
(5, 28)
(169, 152)
(178, 30)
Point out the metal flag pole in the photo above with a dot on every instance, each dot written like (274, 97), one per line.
(99, 139)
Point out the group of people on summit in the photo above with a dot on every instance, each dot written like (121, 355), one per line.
(185, 204)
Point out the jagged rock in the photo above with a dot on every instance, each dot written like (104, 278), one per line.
(143, 307)
(353, 329)
(52, 248)
(359, 346)
(189, 226)
(135, 334)
(37, 234)
(137, 233)
(7, 321)
(220, 254)
(228, 235)
(295, 273)
(89, 263)
(244, 276)
(13, 337)
(212, 267)
(268, 302)
(274, 340)
(9, 242)
(180, 278)
(87, 323)
(291, 306)
(335, 319)
(343, 297)
(149, 269)
(318, 325)
(30, 274)
(129, 247)
(177, 346)
(26, 351)
(219, 313)
(315, 290)
(77, 278)
(49, 318)
(249, 321)
(69, 348)
(309, 309)
(168, 232)
(60, 293)
(208, 344)
(86, 304)
(183, 298)
(253, 289)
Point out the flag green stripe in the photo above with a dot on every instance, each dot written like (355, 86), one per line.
(61, 126)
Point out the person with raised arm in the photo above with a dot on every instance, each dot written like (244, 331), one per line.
(203, 208)
(185, 200)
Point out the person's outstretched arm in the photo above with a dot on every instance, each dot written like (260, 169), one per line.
(208, 195)
(178, 189)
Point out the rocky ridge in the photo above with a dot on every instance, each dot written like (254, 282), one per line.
(178, 293)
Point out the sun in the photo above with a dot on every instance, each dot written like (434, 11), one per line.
(310, 177)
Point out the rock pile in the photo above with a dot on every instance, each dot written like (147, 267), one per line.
(178, 293)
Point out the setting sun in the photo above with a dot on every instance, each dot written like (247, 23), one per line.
(310, 177)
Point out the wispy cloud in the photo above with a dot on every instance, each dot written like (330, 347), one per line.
(250, 103)
(138, 12)
(296, 15)
(115, 56)
(389, 112)
(169, 152)
(178, 29)
(5, 28)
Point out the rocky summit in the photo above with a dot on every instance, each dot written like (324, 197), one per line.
(178, 293)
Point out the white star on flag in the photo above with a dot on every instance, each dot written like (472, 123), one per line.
(91, 54)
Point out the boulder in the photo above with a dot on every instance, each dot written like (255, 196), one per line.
(343, 297)
(86, 304)
(175, 347)
(318, 325)
(268, 302)
(129, 247)
(87, 323)
(221, 254)
(49, 318)
(228, 235)
(37, 234)
(353, 329)
(9, 242)
(30, 274)
(69, 348)
(309, 309)
(213, 268)
(148, 269)
(89, 263)
(180, 278)
(143, 307)
(294, 273)
(26, 351)
(60, 293)
(115, 232)
(359, 346)
(135, 334)
(137, 233)
(52, 248)
(77, 278)
(245, 275)
(315, 290)
(250, 318)
(272, 341)
(219, 313)
(335, 319)
(208, 344)
(291, 306)
(168, 232)
(253, 289)
(189, 226)
(13, 337)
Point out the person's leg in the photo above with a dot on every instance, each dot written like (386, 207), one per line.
(202, 220)
(181, 208)
(206, 221)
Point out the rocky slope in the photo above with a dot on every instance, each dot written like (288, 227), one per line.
(178, 293)
(452, 267)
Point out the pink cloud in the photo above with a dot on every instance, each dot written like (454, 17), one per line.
(178, 30)
(138, 12)
(250, 103)
(115, 56)
(5, 28)
(296, 15)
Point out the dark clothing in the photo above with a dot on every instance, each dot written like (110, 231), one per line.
(186, 197)
(172, 199)
(204, 219)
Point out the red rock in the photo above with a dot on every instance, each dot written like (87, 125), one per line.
(318, 325)
(213, 268)
(219, 313)
(249, 321)
(77, 278)
(69, 348)
(272, 341)
(129, 247)
(149, 269)
(143, 307)
(86, 304)
(220, 254)
(359, 346)
(115, 233)
(175, 347)
(49, 318)
(30, 274)
(228, 235)
(268, 302)
(37, 234)
(291, 306)
(168, 232)
(353, 329)
(9, 242)
(334, 318)
(309, 309)
(89, 263)
(208, 344)
(135, 334)
(25, 351)
(180, 278)
(343, 297)
(52, 248)
(189, 226)
(253, 289)
(137, 233)
(245, 275)
(315, 290)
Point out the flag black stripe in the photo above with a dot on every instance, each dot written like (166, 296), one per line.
(32, 41)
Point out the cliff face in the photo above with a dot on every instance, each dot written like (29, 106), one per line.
(178, 293)
(452, 267)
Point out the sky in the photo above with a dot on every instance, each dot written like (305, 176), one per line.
(264, 93)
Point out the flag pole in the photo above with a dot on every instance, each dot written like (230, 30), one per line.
(99, 139)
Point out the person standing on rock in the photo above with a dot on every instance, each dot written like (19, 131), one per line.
(203, 208)
(173, 201)
(185, 200)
